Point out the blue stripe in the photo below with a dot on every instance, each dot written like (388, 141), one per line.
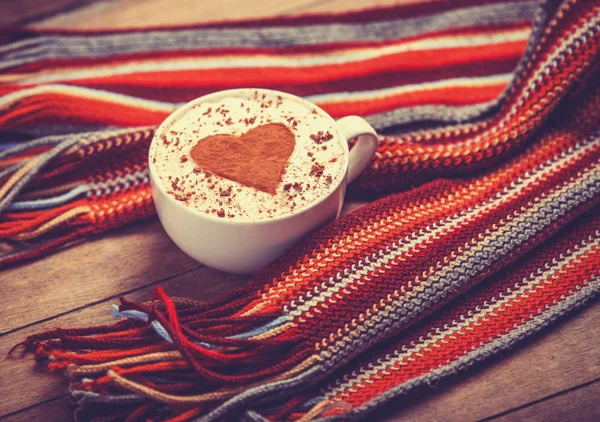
(50, 202)
(160, 330)
(260, 330)
(9, 145)
(128, 314)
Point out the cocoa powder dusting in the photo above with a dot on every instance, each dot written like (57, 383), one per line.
(225, 192)
(317, 170)
(253, 146)
(256, 159)
(321, 137)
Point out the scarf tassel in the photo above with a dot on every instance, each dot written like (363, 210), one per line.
(55, 189)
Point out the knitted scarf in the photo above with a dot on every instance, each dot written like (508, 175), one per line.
(498, 235)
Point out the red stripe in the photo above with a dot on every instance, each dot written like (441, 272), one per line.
(400, 62)
(59, 108)
(361, 83)
(368, 81)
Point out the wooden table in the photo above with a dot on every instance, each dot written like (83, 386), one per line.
(552, 377)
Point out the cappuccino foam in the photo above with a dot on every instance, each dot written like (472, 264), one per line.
(316, 165)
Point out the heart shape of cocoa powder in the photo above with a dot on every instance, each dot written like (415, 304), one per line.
(256, 159)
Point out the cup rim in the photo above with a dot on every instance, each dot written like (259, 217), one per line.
(156, 183)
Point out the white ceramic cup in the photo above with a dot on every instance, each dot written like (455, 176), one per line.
(245, 247)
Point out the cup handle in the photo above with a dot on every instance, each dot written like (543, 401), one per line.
(361, 154)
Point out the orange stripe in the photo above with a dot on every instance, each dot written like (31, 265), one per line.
(57, 106)
(61, 106)
(411, 60)
(405, 61)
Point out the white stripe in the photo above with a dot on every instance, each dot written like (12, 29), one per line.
(87, 93)
(346, 56)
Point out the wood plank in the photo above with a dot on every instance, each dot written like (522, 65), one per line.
(21, 373)
(129, 14)
(561, 408)
(575, 405)
(59, 409)
(118, 261)
(336, 6)
(559, 359)
(15, 12)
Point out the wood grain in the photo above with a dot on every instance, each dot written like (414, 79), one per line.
(133, 259)
(14, 12)
(118, 261)
(59, 409)
(128, 14)
(538, 380)
(565, 407)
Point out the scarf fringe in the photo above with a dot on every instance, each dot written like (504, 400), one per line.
(54, 190)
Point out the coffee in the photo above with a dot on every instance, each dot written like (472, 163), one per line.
(252, 156)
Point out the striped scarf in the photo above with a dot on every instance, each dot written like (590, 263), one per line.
(495, 235)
